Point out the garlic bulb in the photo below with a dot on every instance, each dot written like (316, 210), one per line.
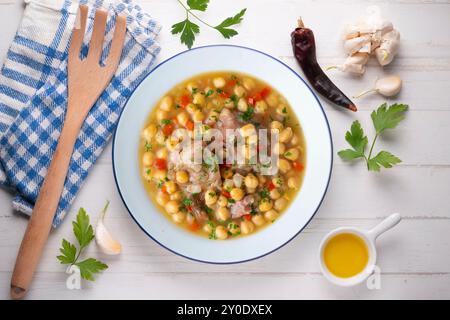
(388, 86)
(370, 34)
(105, 241)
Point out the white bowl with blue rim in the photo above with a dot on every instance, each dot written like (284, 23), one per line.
(223, 58)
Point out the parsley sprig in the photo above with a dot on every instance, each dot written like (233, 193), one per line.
(383, 118)
(189, 29)
(84, 233)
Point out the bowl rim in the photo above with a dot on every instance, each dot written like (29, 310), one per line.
(329, 172)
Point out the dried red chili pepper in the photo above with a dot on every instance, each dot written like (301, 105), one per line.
(304, 47)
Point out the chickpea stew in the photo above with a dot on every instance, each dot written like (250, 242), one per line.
(219, 199)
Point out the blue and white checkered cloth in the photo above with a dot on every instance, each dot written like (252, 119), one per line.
(33, 95)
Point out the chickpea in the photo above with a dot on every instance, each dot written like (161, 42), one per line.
(237, 194)
(278, 182)
(276, 125)
(233, 228)
(265, 205)
(198, 116)
(221, 233)
(222, 214)
(248, 130)
(293, 183)
(159, 175)
(160, 137)
(171, 143)
(272, 100)
(162, 153)
(182, 176)
(213, 116)
(199, 99)
(178, 195)
(148, 158)
(280, 204)
(149, 132)
(279, 148)
(179, 217)
(275, 194)
(191, 86)
(260, 107)
(284, 165)
(251, 181)
(210, 197)
(242, 105)
(219, 82)
(162, 198)
(250, 190)
(182, 118)
(239, 91)
(295, 140)
(285, 135)
(247, 227)
(208, 228)
(258, 220)
(248, 83)
(222, 201)
(171, 187)
(147, 174)
(166, 103)
(191, 108)
(282, 110)
(172, 207)
(161, 114)
(292, 154)
(271, 215)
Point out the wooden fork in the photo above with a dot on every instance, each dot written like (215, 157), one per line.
(86, 81)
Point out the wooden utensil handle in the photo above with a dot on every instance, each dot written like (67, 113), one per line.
(44, 210)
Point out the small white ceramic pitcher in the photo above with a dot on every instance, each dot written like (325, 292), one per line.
(369, 237)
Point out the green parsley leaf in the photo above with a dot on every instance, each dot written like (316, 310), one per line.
(89, 267)
(188, 30)
(82, 229)
(69, 254)
(383, 158)
(388, 117)
(200, 5)
(209, 92)
(223, 27)
(68, 251)
(383, 118)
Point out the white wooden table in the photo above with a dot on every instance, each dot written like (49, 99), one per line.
(414, 258)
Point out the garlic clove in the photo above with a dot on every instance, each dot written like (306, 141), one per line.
(389, 86)
(353, 45)
(105, 241)
(388, 48)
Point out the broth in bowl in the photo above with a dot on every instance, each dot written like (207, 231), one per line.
(222, 116)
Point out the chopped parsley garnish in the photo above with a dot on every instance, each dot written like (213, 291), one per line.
(148, 146)
(209, 92)
(194, 90)
(187, 202)
(166, 121)
(247, 115)
(235, 99)
(264, 193)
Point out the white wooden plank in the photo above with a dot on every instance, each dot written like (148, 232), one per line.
(414, 246)
(231, 286)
